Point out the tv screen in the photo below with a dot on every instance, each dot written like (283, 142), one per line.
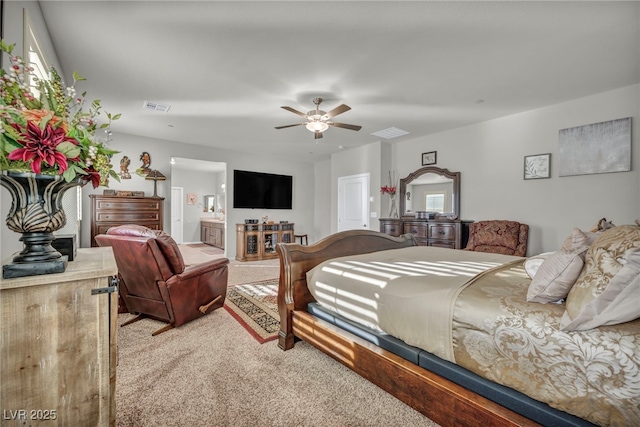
(257, 190)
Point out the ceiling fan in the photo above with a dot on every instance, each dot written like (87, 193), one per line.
(317, 121)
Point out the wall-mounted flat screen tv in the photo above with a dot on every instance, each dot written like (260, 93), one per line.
(258, 190)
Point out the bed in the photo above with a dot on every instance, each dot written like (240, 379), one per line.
(488, 356)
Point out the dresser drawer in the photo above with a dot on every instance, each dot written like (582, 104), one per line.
(120, 205)
(392, 227)
(442, 232)
(418, 229)
(124, 217)
(111, 211)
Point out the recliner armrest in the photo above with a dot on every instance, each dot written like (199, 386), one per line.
(198, 269)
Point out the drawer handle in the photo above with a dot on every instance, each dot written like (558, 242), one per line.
(442, 232)
(393, 230)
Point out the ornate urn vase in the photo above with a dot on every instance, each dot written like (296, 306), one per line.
(36, 212)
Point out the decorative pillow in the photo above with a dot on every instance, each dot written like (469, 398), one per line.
(618, 303)
(132, 230)
(532, 264)
(557, 274)
(615, 249)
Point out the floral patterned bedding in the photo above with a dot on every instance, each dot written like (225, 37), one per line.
(496, 333)
(594, 374)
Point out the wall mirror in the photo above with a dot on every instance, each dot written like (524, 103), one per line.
(430, 189)
(210, 202)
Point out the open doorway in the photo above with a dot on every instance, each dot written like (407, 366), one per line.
(203, 201)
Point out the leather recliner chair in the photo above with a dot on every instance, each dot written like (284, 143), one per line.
(155, 282)
(498, 236)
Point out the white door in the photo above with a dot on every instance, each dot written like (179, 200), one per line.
(176, 213)
(353, 202)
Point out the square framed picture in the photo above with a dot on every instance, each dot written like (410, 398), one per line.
(192, 198)
(537, 166)
(429, 158)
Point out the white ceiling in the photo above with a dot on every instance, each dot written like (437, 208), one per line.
(226, 68)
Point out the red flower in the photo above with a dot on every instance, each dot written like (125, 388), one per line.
(388, 189)
(93, 176)
(40, 146)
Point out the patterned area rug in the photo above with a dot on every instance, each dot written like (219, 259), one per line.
(255, 306)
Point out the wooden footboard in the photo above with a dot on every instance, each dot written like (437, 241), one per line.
(442, 401)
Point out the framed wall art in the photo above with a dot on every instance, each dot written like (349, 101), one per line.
(192, 198)
(429, 158)
(537, 166)
(596, 148)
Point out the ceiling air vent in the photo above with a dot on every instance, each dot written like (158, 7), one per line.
(156, 107)
(390, 133)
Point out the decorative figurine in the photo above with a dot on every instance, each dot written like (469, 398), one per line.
(145, 158)
(124, 168)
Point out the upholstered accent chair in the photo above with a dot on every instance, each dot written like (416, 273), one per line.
(155, 282)
(498, 236)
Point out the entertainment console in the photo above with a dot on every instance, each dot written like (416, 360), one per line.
(256, 242)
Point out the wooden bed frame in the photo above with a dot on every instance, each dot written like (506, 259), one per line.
(441, 400)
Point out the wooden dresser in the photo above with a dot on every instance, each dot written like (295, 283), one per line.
(110, 211)
(444, 234)
(258, 241)
(58, 352)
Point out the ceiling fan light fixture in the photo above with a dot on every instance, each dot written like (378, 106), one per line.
(317, 126)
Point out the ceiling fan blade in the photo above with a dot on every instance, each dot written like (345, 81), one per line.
(345, 126)
(317, 135)
(294, 111)
(288, 126)
(338, 110)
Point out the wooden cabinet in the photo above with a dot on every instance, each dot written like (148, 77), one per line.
(58, 352)
(391, 226)
(212, 233)
(445, 234)
(258, 241)
(110, 211)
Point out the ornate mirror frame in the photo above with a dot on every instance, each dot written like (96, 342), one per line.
(454, 176)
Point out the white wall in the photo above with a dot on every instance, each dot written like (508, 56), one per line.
(161, 152)
(490, 157)
(365, 159)
(321, 202)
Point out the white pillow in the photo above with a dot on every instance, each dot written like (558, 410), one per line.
(557, 274)
(555, 277)
(532, 264)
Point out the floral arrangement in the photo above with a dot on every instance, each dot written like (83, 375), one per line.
(48, 132)
(388, 189)
(391, 188)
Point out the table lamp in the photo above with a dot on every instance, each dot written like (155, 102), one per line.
(155, 176)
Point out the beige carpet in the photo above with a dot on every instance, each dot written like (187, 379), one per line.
(211, 372)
